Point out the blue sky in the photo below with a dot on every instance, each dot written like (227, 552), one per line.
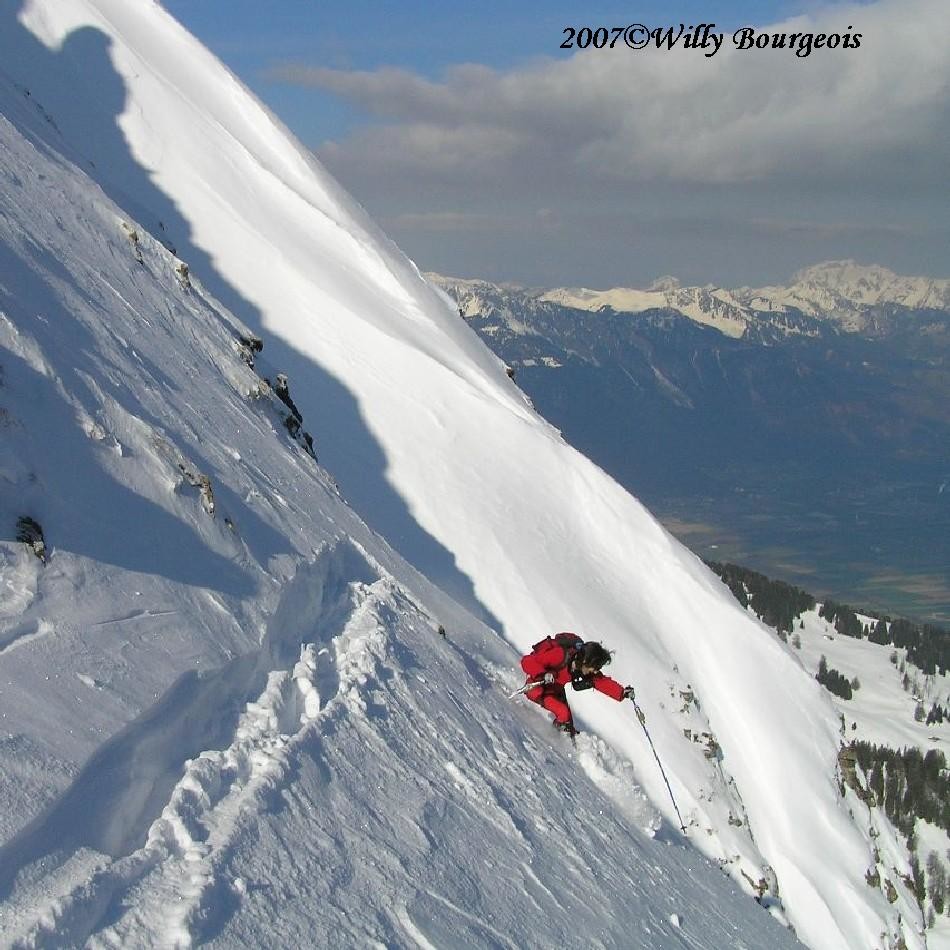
(425, 37)
(486, 151)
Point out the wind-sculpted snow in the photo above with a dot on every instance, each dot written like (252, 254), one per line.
(164, 891)
(380, 781)
(194, 546)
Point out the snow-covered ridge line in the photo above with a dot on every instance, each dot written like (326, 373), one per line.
(841, 291)
(178, 879)
(321, 600)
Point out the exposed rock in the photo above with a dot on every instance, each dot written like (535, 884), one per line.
(293, 422)
(203, 484)
(133, 237)
(248, 346)
(30, 533)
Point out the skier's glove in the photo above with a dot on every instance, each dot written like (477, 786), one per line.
(547, 678)
(628, 693)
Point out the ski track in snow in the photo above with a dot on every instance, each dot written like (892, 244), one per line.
(27, 633)
(135, 615)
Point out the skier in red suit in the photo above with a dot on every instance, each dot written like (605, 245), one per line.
(565, 658)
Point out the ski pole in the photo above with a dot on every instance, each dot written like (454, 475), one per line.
(643, 725)
(523, 689)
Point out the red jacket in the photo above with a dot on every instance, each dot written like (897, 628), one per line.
(551, 657)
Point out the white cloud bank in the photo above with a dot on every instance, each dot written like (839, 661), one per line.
(665, 161)
(741, 115)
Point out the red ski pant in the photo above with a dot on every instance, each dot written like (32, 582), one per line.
(552, 700)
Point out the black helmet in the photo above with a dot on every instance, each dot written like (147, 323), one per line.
(592, 654)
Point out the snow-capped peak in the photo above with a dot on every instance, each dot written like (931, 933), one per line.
(845, 289)
(665, 284)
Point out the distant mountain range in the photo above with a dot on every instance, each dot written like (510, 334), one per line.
(801, 429)
(845, 294)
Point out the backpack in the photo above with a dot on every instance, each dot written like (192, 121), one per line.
(569, 642)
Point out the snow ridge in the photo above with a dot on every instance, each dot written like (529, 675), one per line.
(185, 845)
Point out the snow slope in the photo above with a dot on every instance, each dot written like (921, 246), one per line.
(244, 728)
(155, 622)
(881, 711)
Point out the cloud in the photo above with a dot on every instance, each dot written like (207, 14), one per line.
(740, 168)
(832, 229)
(454, 222)
(620, 116)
